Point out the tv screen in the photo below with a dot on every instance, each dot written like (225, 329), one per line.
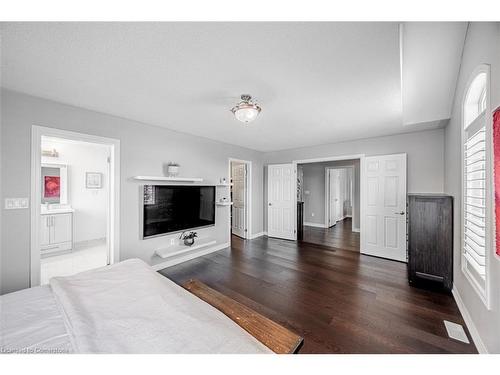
(168, 209)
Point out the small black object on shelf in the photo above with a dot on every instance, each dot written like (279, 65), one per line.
(188, 238)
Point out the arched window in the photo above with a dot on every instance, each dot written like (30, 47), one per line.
(477, 180)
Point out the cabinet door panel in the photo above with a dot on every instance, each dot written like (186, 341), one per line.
(44, 230)
(62, 228)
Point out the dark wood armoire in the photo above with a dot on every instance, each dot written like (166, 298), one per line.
(430, 241)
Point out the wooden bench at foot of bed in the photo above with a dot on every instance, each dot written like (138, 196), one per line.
(276, 337)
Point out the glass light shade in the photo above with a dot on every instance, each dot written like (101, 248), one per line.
(246, 112)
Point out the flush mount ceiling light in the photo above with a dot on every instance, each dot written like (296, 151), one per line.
(246, 110)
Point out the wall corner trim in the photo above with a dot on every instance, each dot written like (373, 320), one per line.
(481, 348)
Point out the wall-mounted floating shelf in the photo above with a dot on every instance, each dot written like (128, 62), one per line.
(169, 179)
(224, 203)
(224, 185)
(180, 248)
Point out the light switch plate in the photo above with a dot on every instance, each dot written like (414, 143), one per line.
(16, 203)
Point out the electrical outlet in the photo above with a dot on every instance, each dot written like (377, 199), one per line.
(16, 203)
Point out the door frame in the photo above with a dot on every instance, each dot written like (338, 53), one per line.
(361, 158)
(327, 190)
(248, 197)
(113, 211)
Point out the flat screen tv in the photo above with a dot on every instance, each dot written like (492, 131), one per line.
(168, 209)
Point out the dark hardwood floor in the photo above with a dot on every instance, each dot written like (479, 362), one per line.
(340, 236)
(338, 300)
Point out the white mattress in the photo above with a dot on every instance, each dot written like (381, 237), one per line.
(30, 322)
(123, 308)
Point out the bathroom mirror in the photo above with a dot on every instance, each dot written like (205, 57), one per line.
(54, 184)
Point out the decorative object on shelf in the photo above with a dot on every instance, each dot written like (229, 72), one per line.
(172, 169)
(93, 180)
(188, 238)
(246, 111)
(50, 153)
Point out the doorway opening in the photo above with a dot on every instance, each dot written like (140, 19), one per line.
(74, 203)
(328, 203)
(240, 193)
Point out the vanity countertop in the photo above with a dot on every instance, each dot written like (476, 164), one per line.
(55, 211)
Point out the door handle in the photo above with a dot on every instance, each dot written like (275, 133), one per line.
(399, 213)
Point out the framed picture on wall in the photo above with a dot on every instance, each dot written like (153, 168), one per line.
(93, 180)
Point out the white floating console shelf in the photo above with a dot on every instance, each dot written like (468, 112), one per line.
(174, 250)
(168, 179)
(224, 203)
(224, 185)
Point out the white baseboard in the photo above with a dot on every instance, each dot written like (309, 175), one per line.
(257, 235)
(355, 229)
(185, 258)
(481, 348)
(308, 224)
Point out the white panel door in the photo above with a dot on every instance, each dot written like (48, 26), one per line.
(238, 175)
(384, 207)
(333, 196)
(340, 194)
(281, 196)
(62, 228)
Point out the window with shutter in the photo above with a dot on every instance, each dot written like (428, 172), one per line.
(476, 186)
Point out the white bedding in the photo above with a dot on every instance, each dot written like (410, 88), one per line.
(123, 308)
(30, 322)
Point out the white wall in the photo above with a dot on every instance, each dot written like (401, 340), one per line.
(425, 151)
(144, 150)
(90, 204)
(482, 46)
(314, 182)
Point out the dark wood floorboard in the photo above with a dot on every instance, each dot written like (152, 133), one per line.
(338, 300)
(340, 235)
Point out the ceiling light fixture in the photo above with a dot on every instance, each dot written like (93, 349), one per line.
(246, 110)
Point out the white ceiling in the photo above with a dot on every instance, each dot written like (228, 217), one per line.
(316, 82)
(431, 61)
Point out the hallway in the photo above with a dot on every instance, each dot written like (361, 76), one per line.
(338, 236)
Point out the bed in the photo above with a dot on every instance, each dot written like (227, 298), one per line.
(129, 308)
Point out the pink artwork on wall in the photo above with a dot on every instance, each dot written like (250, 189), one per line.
(52, 187)
(496, 174)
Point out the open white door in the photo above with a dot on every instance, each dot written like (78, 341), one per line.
(383, 232)
(281, 193)
(333, 196)
(238, 175)
(336, 181)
